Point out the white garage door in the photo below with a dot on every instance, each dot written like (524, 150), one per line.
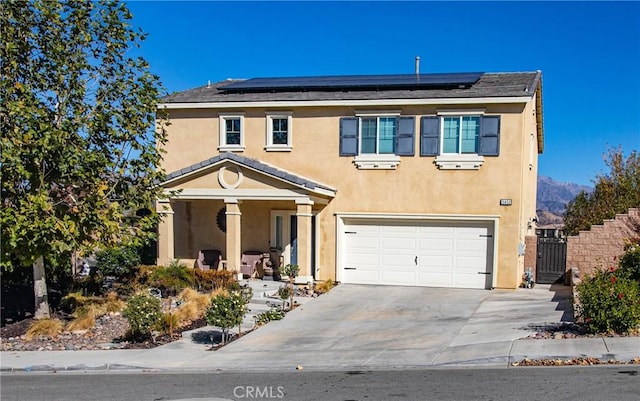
(446, 254)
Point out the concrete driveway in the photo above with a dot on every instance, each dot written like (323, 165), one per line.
(387, 326)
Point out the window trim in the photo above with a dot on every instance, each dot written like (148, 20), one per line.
(270, 146)
(372, 161)
(460, 137)
(464, 161)
(223, 146)
(459, 160)
(377, 152)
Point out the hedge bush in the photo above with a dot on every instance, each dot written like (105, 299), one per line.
(208, 280)
(143, 313)
(608, 301)
(117, 261)
(172, 278)
(630, 261)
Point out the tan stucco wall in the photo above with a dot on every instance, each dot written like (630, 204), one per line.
(416, 187)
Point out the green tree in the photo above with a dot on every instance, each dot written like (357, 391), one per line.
(614, 192)
(80, 143)
(226, 311)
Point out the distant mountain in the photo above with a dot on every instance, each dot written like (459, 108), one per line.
(552, 199)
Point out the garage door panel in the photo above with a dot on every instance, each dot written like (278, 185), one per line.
(435, 279)
(424, 253)
(464, 264)
(441, 262)
(435, 231)
(470, 280)
(402, 261)
(398, 245)
(398, 278)
(370, 260)
(436, 246)
(399, 231)
(471, 245)
(362, 276)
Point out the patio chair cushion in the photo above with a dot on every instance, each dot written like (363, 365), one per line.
(248, 262)
(209, 259)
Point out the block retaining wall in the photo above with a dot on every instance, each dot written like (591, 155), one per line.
(603, 244)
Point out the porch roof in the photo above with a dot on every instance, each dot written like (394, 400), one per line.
(256, 165)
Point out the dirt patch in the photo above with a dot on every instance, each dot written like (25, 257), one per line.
(110, 332)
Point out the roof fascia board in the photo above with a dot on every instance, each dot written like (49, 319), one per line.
(317, 190)
(367, 102)
(540, 118)
(240, 194)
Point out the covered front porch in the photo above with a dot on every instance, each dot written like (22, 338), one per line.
(236, 204)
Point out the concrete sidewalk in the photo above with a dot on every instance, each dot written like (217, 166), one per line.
(368, 327)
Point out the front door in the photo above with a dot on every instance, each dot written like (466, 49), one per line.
(284, 237)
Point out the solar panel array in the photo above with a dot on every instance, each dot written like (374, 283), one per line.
(356, 82)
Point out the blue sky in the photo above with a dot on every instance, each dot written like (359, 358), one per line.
(589, 54)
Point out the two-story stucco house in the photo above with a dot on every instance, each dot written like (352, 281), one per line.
(418, 180)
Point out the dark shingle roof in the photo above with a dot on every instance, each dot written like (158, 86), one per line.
(253, 164)
(513, 84)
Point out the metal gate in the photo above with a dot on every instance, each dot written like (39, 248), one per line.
(552, 260)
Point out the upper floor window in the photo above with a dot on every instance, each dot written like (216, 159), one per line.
(377, 135)
(460, 134)
(279, 132)
(377, 142)
(460, 141)
(231, 133)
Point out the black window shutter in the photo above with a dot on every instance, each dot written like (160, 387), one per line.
(348, 136)
(429, 136)
(405, 136)
(489, 136)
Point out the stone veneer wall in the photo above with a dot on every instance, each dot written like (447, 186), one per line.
(602, 244)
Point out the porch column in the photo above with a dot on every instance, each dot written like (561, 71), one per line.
(233, 248)
(165, 232)
(304, 214)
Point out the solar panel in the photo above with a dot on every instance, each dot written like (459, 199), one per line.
(355, 82)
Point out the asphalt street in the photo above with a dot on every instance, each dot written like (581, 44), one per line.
(550, 383)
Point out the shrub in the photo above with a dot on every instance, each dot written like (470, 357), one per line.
(630, 261)
(207, 280)
(172, 278)
(143, 275)
(82, 323)
(291, 271)
(79, 305)
(284, 293)
(188, 312)
(143, 312)
(226, 311)
(325, 286)
(194, 305)
(608, 302)
(117, 261)
(44, 327)
(267, 316)
(72, 301)
(168, 322)
(86, 309)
